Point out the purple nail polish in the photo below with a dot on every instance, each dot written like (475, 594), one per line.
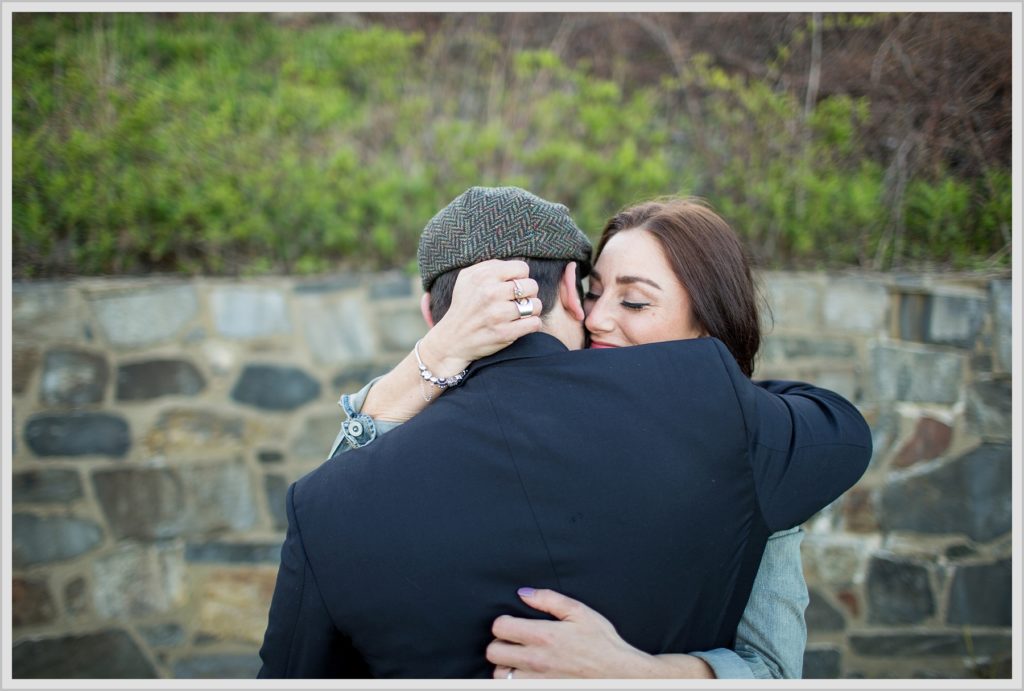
(526, 592)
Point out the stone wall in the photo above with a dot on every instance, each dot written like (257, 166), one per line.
(158, 423)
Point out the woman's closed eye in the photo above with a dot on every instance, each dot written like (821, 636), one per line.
(635, 306)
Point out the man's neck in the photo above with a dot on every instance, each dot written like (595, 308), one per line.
(566, 329)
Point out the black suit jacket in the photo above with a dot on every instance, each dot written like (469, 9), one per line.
(641, 481)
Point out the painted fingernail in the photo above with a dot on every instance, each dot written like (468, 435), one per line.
(526, 592)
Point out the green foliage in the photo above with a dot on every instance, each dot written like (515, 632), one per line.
(794, 184)
(945, 219)
(801, 189)
(202, 143)
(238, 144)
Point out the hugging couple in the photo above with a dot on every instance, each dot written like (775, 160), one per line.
(525, 496)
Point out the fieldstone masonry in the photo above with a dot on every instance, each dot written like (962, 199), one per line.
(160, 422)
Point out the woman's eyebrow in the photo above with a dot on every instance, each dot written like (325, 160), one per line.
(625, 280)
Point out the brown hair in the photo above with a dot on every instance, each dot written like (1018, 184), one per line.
(708, 259)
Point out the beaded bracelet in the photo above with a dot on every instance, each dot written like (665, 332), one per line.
(430, 378)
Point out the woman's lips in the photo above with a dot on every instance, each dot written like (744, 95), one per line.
(599, 344)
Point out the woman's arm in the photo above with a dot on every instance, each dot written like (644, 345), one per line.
(770, 639)
(481, 320)
(772, 635)
(579, 644)
(368, 429)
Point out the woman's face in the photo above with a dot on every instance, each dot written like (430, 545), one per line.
(634, 295)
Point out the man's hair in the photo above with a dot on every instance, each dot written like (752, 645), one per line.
(547, 273)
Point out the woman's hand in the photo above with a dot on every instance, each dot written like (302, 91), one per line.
(581, 644)
(483, 317)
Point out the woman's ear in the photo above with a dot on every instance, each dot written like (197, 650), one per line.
(569, 295)
(425, 310)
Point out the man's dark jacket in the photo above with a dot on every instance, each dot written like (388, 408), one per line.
(641, 481)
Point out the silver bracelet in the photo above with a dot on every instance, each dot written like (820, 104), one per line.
(430, 378)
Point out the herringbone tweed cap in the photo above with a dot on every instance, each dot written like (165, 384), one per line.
(498, 223)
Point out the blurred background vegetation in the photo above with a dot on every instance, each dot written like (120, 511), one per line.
(243, 144)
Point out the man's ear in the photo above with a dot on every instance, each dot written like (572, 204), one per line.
(568, 295)
(425, 310)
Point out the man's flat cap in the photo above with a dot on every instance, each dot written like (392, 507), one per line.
(498, 223)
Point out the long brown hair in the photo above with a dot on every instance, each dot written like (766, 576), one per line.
(708, 259)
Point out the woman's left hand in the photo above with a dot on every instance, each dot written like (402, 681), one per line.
(581, 644)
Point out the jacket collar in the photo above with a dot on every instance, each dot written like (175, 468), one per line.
(528, 346)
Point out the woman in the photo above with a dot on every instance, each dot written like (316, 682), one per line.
(665, 270)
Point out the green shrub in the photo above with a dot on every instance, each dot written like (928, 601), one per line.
(237, 144)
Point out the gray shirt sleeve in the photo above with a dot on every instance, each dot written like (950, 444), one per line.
(356, 401)
(772, 634)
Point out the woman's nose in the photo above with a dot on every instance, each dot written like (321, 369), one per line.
(597, 320)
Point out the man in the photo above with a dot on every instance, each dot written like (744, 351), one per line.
(600, 474)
